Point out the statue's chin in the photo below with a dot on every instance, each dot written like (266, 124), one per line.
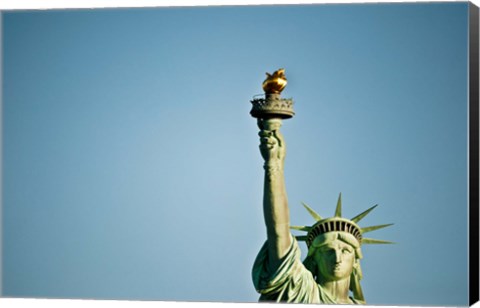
(340, 274)
(337, 274)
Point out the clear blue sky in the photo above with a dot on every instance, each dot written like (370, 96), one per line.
(131, 167)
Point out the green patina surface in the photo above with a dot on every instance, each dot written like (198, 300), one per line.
(331, 272)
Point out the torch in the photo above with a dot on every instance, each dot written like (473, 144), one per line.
(272, 109)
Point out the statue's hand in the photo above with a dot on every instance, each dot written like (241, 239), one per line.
(272, 146)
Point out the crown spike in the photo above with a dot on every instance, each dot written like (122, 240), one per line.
(338, 210)
(301, 228)
(360, 216)
(312, 212)
(373, 228)
(374, 241)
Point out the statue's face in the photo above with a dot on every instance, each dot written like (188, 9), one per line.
(334, 258)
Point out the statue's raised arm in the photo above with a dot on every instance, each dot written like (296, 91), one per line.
(270, 111)
(275, 202)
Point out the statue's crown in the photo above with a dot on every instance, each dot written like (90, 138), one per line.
(338, 223)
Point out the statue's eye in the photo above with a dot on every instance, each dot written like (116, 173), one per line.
(346, 251)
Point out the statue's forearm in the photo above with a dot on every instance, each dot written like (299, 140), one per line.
(276, 213)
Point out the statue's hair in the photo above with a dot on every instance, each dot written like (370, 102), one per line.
(311, 265)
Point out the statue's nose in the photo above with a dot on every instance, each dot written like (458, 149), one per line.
(338, 256)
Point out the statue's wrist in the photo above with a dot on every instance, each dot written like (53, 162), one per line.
(273, 166)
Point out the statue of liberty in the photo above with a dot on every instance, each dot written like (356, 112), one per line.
(331, 273)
